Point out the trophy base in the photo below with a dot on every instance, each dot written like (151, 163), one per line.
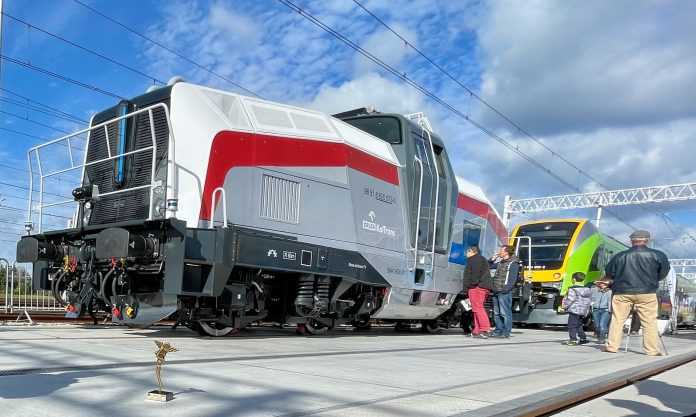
(161, 396)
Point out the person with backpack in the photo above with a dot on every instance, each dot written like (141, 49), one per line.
(477, 284)
(577, 303)
(506, 276)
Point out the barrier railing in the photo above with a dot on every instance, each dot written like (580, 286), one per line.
(34, 159)
(19, 296)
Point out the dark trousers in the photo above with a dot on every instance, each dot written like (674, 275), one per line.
(575, 327)
(467, 321)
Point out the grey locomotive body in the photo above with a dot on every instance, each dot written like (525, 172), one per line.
(227, 210)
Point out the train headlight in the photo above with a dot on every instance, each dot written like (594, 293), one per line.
(557, 276)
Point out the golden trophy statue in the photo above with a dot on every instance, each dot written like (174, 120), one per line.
(160, 356)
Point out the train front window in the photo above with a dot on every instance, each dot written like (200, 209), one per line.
(386, 128)
(550, 242)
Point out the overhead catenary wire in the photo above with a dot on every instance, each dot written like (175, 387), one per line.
(21, 187)
(27, 119)
(60, 77)
(168, 49)
(430, 94)
(494, 109)
(50, 110)
(154, 79)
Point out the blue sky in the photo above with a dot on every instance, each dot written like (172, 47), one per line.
(606, 85)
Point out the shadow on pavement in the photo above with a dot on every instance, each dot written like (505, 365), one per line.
(680, 399)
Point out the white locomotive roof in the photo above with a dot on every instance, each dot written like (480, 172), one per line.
(474, 191)
(267, 117)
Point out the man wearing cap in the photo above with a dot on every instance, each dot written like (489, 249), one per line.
(634, 275)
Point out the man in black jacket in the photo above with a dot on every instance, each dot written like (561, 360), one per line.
(477, 283)
(635, 275)
(506, 273)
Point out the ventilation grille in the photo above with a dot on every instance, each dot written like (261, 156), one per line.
(129, 205)
(280, 199)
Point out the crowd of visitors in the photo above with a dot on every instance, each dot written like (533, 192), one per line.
(628, 287)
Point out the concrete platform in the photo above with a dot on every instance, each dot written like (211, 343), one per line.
(670, 394)
(61, 370)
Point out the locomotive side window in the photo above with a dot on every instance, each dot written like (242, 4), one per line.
(427, 193)
(597, 258)
(443, 217)
(386, 128)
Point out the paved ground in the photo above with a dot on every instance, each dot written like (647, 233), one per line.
(60, 370)
(671, 394)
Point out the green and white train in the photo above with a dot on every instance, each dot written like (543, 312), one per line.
(559, 248)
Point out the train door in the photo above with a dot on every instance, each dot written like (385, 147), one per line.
(433, 201)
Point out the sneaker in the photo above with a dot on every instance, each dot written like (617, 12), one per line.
(606, 350)
(583, 342)
(601, 341)
(571, 343)
(480, 336)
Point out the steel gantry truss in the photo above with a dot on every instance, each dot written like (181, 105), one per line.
(687, 275)
(683, 263)
(600, 199)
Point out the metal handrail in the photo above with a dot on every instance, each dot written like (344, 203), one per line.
(7, 281)
(517, 249)
(437, 196)
(420, 196)
(153, 147)
(211, 222)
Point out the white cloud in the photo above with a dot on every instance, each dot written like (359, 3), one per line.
(585, 65)
(387, 47)
(370, 89)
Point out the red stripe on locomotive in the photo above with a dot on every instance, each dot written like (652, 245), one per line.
(241, 149)
(483, 211)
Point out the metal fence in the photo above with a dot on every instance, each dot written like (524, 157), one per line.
(19, 296)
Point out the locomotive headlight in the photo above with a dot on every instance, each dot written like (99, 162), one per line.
(87, 212)
(556, 276)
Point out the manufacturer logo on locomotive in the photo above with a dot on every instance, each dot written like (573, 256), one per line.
(373, 226)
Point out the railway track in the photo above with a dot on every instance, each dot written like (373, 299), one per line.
(549, 402)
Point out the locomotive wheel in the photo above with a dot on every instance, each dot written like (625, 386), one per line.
(430, 326)
(315, 328)
(212, 328)
(362, 323)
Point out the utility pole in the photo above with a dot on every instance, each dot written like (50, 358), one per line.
(1, 10)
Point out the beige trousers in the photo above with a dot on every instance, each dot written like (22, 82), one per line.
(646, 309)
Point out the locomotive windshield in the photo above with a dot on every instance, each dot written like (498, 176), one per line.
(386, 128)
(550, 243)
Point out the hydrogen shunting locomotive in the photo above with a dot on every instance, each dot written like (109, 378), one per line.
(228, 210)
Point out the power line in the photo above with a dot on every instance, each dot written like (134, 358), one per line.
(38, 139)
(4, 207)
(22, 224)
(85, 49)
(430, 94)
(59, 112)
(171, 51)
(60, 77)
(27, 119)
(473, 94)
(21, 187)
